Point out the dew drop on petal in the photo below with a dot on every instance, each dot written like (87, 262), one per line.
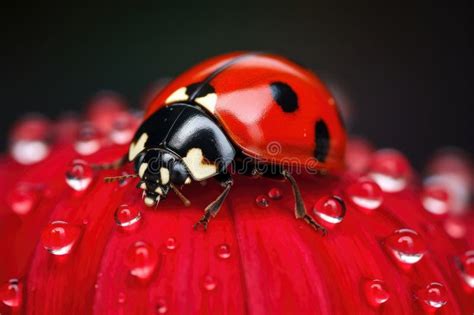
(127, 216)
(171, 243)
(209, 283)
(376, 292)
(88, 140)
(121, 298)
(29, 142)
(79, 175)
(330, 209)
(22, 199)
(161, 307)
(142, 260)
(60, 237)
(390, 170)
(466, 267)
(123, 128)
(223, 251)
(435, 199)
(262, 201)
(365, 194)
(434, 295)
(275, 194)
(406, 246)
(11, 293)
(455, 227)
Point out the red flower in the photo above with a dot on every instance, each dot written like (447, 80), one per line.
(72, 244)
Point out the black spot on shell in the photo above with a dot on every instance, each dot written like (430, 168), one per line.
(199, 89)
(322, 140)
(285, 97)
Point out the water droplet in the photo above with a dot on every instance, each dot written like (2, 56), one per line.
(171, 243)
(365, 194)
(23, 198)
(262, 201)
(435, 199)
(60, 237)
(29, 140)
(223, 251)
(275, 194)
(455, 227)
(390, 170)
(331, 209)
(88, 140)
(11, 293)
(376, 292)
(121, 298)
(142, 260)
(434, 295)
(161, 307)
(126, 216)
(209, 283)
(358, 155)
(465, 266)
(79, 175)
(123, 128)
(406, 246)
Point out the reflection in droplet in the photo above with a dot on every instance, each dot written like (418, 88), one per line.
(127, 216)
(79, 175)
(406, 246)
(390, 170)
(209, 283)
(330, 209)
(142, 260)
(23, 198)
(88, 140)
(11, 293)
(465, 266)
(435, 199)
(161, 307)
(275, 194)
(60, 237)
(365, 194)
(223, 251)
(376, 292)
(434, 295)
(262, 201)
(171, 243)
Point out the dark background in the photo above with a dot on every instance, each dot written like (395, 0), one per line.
(406, 69)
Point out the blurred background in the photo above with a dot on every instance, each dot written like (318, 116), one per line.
(403, 73)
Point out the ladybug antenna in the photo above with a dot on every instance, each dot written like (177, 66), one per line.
(119, 178)
(180, 195)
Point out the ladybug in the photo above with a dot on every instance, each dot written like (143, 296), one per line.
(238, 111)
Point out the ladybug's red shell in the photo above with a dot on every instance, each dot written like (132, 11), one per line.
(273, 109)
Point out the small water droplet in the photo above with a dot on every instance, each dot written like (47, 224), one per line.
(223, 251)
(121, 298)
(465, 266)
(262, 201)
(60, 237)
(29, 140)
(434, 295)
(126, 216)
(455, 227)
(22, 199)
(331, 209)
(88, 140)
(96, 286)
(79, 175)
(406, 246)
(435, 199)
(365, 194)
(209, 283)
(11, 293)
(376, 292)
(142, 260)
(390, 170)
(123, 128)
(275, 194)
(171, 243)
(161, 307)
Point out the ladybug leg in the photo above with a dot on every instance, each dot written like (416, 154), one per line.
(111, 166)
(300, 209)
(213, 208)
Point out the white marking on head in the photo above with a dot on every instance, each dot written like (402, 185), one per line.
(209, 101)
(159, 191)
(149, 202)
(143, 186)
(188, 180)
(176, 96)
(137, 147)
(142, 169)
(197, 166)
(164, 175)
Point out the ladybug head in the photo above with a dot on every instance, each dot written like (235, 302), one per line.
(159, 170)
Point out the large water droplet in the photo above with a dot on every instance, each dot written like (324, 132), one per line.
(23, 198)
(171, 243)
(11, 293)
(29, 140)
(88, 140)
(123, 128)
(466, 267)
(223, 251)
(331, 209)
(142, 260)
(127, 217)
(60, 237)
(275, 194)
(262, 201)
(390, 170)
(365, 194)
(406, 246)
(161, 306)
(79, 175)
(434, 295)
(435, 199)
(376, 292)
(209, 283)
